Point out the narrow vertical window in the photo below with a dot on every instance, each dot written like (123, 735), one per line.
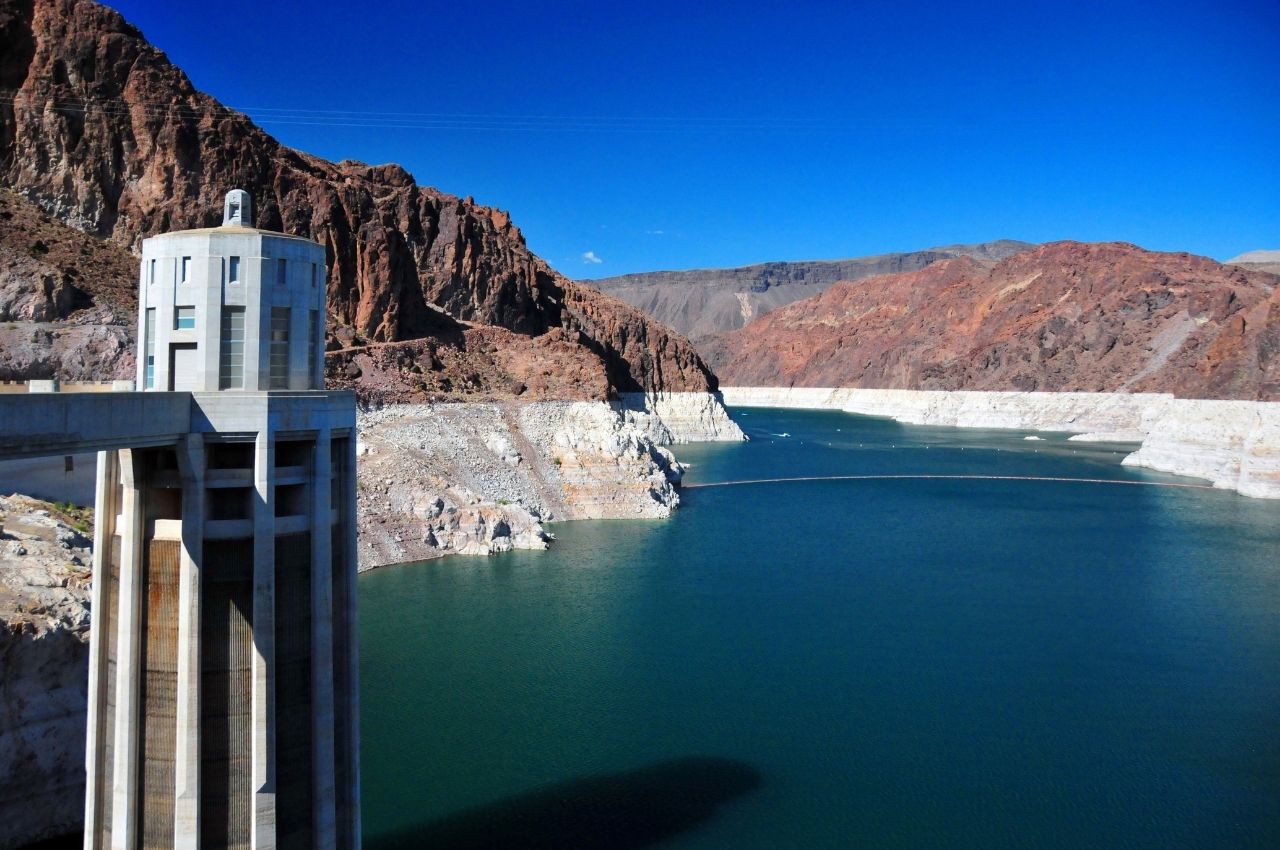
(149, 350)
(313, 347)
(280, 272)
(279, 348)
(233, 270)
(151, 274)
(231, 352)
(186, 270)
(313, 275)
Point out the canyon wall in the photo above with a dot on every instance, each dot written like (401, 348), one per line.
(107, 137)
(699, 302)
(1062, 317)
(1233, 444)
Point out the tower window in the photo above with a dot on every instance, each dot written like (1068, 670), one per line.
(313, 346)
(186, 270)
(233, 270)
(151, 274)
(279, 348)
(184, 318)
(231, 352)
(149, 350)
(279, 272)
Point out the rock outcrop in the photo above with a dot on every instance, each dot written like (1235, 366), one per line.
(481, 478)
(106, 135)
(669, 418)
(44, 655)
(1062, 317)
(67, 300)
(469, 364)
(700, 302)
(1234, 444)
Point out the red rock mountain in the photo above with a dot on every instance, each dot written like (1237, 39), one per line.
(107, 135)
(1064, 316)
(68, 300)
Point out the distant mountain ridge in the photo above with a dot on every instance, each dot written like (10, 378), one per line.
(1259, 261)
(1066, 316)
(699, 302)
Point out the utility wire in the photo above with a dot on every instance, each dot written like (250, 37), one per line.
(115, 106)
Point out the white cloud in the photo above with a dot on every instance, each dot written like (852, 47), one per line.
(655, 232)
(590, 257)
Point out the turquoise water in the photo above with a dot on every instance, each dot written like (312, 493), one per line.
(843, 664)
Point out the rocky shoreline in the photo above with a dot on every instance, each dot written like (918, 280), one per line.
(1233, 444)
(45, 566)
(482, 477)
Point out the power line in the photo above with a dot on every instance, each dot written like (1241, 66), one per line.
(115, 106)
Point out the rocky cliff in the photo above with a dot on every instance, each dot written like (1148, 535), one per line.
(479, 478)
(700, 302)
(101, 131)
(67, 300)
(1065, 316)
(44, 656)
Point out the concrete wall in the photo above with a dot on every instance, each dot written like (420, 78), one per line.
(208, 286)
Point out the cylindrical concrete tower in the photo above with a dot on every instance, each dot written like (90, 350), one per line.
(231, 308)
(223, 707)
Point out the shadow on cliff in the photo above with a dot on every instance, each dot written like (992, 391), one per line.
(617, 811)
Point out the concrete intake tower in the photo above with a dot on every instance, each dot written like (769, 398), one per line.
(223, 707)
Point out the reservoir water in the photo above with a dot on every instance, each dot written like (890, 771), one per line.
(830, 664)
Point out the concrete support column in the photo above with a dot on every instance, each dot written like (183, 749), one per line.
(322, 713)
(262, 833)
(105, 506)
(186, 820)
(124, 809)
(348, 520)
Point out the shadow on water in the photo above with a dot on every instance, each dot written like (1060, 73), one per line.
(616, 811)
(74, 841)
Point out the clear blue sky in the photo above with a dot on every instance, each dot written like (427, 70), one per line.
(703, 134)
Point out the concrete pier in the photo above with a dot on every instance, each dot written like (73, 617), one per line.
(222, 704)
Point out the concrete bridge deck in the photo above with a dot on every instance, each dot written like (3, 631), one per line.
(44, 424)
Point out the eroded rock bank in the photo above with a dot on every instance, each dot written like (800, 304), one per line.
(1234, 444)
(44, 656)
(481, 478)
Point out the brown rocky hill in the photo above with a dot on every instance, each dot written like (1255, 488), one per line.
(67, 299)
(107, 135)
(700, 302)
(1064, 316)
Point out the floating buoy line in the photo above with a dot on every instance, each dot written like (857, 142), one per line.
(926, 477)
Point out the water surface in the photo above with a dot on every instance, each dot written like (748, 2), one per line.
(843, 664)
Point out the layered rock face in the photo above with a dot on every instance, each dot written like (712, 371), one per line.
(481, 478)
(668, 418)
(107, 135)
(470, 363)
(68, 301)
(44, 655)
(1065, 316)
(700, 302)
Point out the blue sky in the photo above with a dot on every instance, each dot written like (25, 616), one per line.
(633, 137)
